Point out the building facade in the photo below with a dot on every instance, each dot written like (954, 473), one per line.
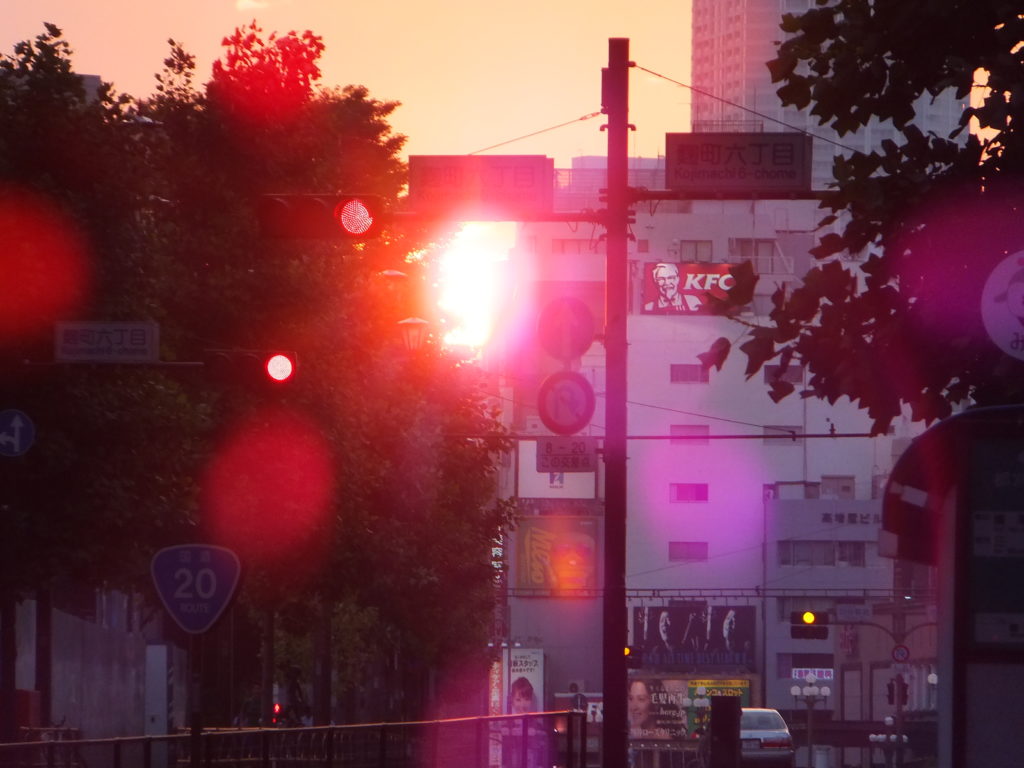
(740, 510)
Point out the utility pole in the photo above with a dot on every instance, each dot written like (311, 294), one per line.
(615, 104)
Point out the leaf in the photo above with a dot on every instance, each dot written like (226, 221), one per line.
(717, 353)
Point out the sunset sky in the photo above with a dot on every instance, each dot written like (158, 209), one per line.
(469, 74)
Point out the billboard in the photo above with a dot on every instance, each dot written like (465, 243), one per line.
(672, 707)
(697, 636)
(671, 287)
(556, 552)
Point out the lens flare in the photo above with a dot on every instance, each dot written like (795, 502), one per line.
(43, 264)
(268, 489)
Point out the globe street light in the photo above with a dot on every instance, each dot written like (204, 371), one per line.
(810, 694)
(889, 742)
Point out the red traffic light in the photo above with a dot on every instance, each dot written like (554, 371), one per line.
(295, 217)
(280, 366)
(248, 367)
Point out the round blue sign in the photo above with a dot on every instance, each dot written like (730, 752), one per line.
(17, 433)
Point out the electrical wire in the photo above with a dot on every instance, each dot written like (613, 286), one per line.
(694, 89)
(537, 133)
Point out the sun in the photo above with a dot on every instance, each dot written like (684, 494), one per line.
(469, 280)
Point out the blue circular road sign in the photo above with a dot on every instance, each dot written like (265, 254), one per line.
(17, 433)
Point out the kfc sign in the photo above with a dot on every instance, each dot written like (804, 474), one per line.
(673, 288)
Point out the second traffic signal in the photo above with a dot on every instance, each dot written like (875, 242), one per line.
(250, 367)
(321, 217)
(808, 625)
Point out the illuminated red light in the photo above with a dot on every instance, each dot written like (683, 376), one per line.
(354, 216)
(280, 367)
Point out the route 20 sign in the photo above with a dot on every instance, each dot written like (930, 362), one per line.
(195, 583)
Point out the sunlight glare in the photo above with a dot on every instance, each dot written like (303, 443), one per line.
(469, 278)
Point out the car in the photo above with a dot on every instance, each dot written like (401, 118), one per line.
(765, 739)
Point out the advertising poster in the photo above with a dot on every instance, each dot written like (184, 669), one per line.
(695, 636)
(668, 707)
(671, 287)
(524, 686)
(557, 552)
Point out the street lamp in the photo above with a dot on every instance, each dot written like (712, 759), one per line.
(414, 332)
(890, 742)
(810, 694)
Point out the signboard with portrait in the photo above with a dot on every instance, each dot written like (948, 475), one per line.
(556, 552)
(672, 708)
(524, 683)
(696, 636)
(678, 288)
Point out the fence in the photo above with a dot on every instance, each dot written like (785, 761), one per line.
(541, 740)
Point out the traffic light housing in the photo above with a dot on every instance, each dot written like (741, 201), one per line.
(273, 368)
(897, 690)
(321, 217)
(808, 625)
(634, 657)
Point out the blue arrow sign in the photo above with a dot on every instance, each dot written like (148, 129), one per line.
(195, 583)
(17, 433)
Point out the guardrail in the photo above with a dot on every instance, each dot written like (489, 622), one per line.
(539, 740)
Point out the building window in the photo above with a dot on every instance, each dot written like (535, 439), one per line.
(574, 246)
(693, 373)
(794, 374)
(688, 551)
(775, 434)
(694, 250)
(685, 493)
(806, 553)
(837, 487)
(689, 434)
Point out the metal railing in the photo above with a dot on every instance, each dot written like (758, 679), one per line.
(539, 740)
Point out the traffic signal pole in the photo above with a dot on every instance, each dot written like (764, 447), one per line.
(615, 104)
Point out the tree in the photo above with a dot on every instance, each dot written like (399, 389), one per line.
(930, 214)
(160, 195)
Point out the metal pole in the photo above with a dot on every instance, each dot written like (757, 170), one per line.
(810, 733)
(615, 104)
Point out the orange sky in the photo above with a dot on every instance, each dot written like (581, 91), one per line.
(469, 74)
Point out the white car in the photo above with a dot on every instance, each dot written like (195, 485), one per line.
(765, 739)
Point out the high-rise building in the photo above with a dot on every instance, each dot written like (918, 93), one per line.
(732, 40)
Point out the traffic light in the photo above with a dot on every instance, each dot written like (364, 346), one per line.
(251, 367)
(634, 657)
(308, 216)
(897, 690)
(808, 625)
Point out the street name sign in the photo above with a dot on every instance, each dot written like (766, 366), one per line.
(195, 582)
(481, 187)
(89, 341)
(734, 163)
(567, 454)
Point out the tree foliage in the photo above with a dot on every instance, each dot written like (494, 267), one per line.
(372, 467)
(929, 214)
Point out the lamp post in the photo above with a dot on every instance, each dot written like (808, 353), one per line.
(810, 694)
(889, 742)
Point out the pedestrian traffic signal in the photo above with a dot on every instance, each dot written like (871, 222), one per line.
(808, 625)
(251, 367)
(308, 216)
